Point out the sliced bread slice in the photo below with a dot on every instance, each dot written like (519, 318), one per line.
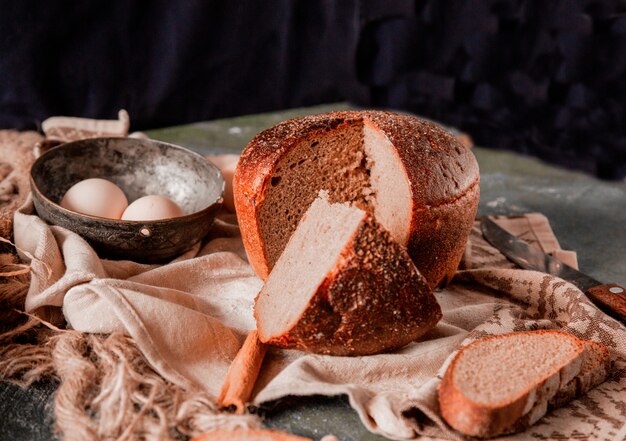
(343, 286)
(595, 369)
(495, 382)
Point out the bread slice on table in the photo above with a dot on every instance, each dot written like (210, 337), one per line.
(418, 180)
(505, 383)
(343, 286)
(248, 435)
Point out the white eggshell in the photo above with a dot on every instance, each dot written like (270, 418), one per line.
(96, 197)
(152, 207)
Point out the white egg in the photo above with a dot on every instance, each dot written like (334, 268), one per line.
(96, 197)
(153, 207)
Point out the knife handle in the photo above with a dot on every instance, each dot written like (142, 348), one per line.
(611, 298)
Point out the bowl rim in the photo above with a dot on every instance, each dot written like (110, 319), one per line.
(112, 222)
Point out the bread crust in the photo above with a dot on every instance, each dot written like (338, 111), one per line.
(485, 420)
(374, 300)
(442, 172)
(595, 372)
(438, 236)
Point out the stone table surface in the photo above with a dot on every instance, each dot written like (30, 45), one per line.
(586, 214)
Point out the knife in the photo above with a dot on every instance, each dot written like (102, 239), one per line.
(609, 297)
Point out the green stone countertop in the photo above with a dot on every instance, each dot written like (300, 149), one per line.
(587, 215)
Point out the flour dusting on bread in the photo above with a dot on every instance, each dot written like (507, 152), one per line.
(418, 181)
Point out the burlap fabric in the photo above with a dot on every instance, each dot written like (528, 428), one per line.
(16, 157)
(189, 317)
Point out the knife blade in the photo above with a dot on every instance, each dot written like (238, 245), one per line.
(611, 298)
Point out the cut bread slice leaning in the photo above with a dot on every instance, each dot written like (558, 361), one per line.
(343, 286)
(506, 383)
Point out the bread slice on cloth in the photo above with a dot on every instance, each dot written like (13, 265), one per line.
(343, 286)
(418, 180)
(503, 384)
(594, 370)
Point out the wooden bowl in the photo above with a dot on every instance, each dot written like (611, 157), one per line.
(139, 167)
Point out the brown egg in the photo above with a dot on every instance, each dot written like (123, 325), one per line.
(153, 207)
(96, 197)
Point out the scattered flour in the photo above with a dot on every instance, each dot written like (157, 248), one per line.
(496, 202)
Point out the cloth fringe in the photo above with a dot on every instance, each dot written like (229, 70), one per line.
(106, 388)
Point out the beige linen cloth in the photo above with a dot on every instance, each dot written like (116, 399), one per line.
(189, 318)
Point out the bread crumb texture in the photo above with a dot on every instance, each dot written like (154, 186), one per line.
(371, 299)
(505, 383)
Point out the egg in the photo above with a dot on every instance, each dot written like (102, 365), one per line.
(152, 207)
(96, 197)
(227, 165)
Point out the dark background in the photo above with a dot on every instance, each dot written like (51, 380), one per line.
(544, 77)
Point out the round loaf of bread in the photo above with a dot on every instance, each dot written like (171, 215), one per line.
(418, 180)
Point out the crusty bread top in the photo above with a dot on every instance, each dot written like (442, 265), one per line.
(428, 200)
(431, 155)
